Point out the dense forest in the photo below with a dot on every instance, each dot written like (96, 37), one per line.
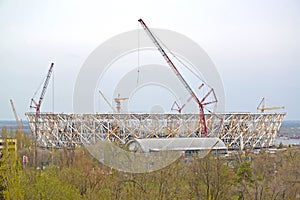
(74, 174)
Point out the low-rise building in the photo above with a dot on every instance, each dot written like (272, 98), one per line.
(9, 143)
(189, 146)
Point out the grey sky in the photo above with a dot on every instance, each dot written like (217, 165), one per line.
(255, 45)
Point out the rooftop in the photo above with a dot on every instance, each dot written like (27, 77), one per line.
(176, 144)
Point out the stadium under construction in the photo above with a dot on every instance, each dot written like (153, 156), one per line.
(236, 130)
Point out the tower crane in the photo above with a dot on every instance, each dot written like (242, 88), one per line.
(179, 76)
(37, 105)
(20, 125)
(262, 108)
(118, 102)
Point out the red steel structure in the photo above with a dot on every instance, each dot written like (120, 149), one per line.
(200, 103)
(37, 105)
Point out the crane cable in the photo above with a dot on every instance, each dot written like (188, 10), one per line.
(138, 58)
(39, 87)
(174, 56)
(185, 65)
(179, 60)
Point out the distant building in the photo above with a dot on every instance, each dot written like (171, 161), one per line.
(189, 146)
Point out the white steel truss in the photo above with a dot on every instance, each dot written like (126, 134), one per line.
(237, 130)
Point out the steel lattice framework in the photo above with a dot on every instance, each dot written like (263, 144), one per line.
(237, 130)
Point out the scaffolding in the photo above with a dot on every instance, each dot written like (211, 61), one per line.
(237, 130)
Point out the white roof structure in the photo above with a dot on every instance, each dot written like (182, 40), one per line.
(176, 144)
(238, 130)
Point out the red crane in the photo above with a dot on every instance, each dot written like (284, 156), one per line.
(176, 106)
(37, 105)
(179, 76)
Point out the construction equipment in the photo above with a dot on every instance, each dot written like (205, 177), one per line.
(178, 108)
(37, 105)
(108, 103)
(179, 76)
(262, 108)
(20, 124)
(118, 102)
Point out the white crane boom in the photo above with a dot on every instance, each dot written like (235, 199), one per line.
(108, 103)
(16, 115)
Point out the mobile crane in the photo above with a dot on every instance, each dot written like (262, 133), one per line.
(179, 76)
(37, 105)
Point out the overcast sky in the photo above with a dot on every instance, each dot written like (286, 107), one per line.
(255, 45)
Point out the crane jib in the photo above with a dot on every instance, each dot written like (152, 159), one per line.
(186, 85)
(37, 106)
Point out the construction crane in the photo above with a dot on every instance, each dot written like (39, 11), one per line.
(262, 108)
(108, 103)
(178, 108)
(118, 102)
(37, 105)
(179, 76)
(20, 125)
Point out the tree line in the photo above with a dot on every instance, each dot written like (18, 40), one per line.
(74, 174)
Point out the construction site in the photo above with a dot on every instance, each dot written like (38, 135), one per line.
(153, 100)
(239, 131)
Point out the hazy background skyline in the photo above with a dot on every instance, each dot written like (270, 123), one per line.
(255, 46)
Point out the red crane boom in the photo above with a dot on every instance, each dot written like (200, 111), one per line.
(37, 105)
(179, 76)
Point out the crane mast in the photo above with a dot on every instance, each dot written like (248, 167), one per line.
(179, 76)
(37, 105)
(118, 102)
